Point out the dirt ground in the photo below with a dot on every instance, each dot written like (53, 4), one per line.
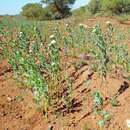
(18, 111)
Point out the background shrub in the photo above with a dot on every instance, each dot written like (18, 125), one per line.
(113, 6)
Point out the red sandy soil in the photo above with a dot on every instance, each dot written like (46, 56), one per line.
(18, 111)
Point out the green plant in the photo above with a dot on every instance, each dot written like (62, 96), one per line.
(110, 32)
(68, 94)
(54, 56)
(120, 56)
(108, 53)
(105, 117)
(114, 102)
(26, 69)
(102, 49)
(98, 100)
(98, 109)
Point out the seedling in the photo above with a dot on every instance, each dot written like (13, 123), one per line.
(105, 117)
(114, 102)
(68, 94)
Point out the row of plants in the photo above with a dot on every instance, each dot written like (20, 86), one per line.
(36, 60)
(33, 65)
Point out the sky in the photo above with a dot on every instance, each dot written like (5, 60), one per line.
(13, 7)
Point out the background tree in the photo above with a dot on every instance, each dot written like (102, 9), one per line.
(32, 11)
(94, 6)
(116, 6)
(59, 8)
(35, 11)
(113, 6)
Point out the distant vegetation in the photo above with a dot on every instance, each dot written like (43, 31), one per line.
(34, 11)
(57, 9)
(117, 8)
(109, 6)
(54, 9)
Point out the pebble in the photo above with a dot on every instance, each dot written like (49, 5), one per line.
(9, 98)
(128, 123)
(50, 127)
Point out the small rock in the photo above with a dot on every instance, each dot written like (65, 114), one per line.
(93, 117)
(50, 127)
(128, 123)
(6, 129)
(9, 99)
